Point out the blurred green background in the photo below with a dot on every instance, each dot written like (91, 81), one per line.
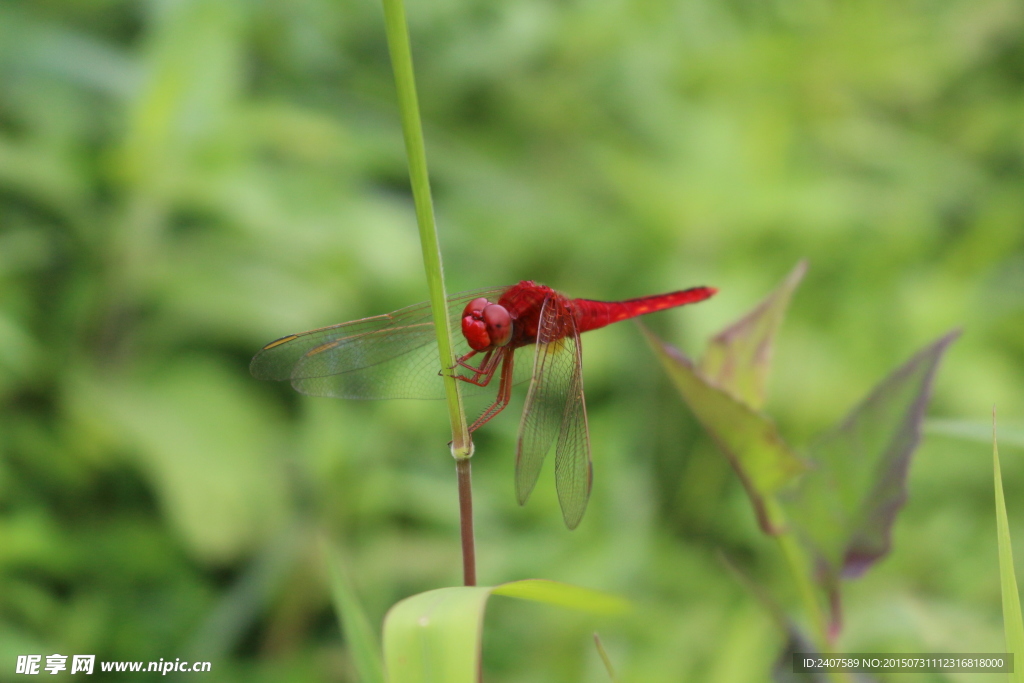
(182, 181)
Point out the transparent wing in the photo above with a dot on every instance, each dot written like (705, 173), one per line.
(574, 471)
(555, 409)
(386, 356)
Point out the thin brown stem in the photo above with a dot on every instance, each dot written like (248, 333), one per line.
(463, 467)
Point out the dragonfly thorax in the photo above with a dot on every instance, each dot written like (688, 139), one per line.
(486, 324)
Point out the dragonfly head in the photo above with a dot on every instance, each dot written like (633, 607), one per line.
(485, 324)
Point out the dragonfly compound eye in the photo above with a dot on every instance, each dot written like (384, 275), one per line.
(499, 324)
(475, 307)
(474, 329)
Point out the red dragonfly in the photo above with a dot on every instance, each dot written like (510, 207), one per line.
(395, 356)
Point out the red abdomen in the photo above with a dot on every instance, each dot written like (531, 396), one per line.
(591, 315)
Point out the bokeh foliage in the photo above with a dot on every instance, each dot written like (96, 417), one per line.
(182, 181)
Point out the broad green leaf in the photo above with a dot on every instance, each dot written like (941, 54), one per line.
(1013, 623)
(355, 626)
(845, 506)
(748, 438)
(738, 358)
(435, 637)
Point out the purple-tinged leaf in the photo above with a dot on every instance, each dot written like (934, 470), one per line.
(845, 506)
(738, 358)
(748, 438)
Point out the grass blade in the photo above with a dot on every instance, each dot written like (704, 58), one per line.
(605, 659)
(1013, 623)
(360, 636)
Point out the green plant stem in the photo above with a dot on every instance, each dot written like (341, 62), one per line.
(412, 129)
(794, 555)
(797, 563)
(405, 83)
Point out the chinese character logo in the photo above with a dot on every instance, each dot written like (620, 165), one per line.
(82, 664)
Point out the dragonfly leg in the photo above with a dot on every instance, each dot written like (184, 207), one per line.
(504, 394)
(481, 375)
(463, 360)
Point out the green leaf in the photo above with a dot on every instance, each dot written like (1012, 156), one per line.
(845, 507)
(563, 595)
(749, 439)
(355, 626)
(738, 358)
(435, 637)
(1013, 623)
